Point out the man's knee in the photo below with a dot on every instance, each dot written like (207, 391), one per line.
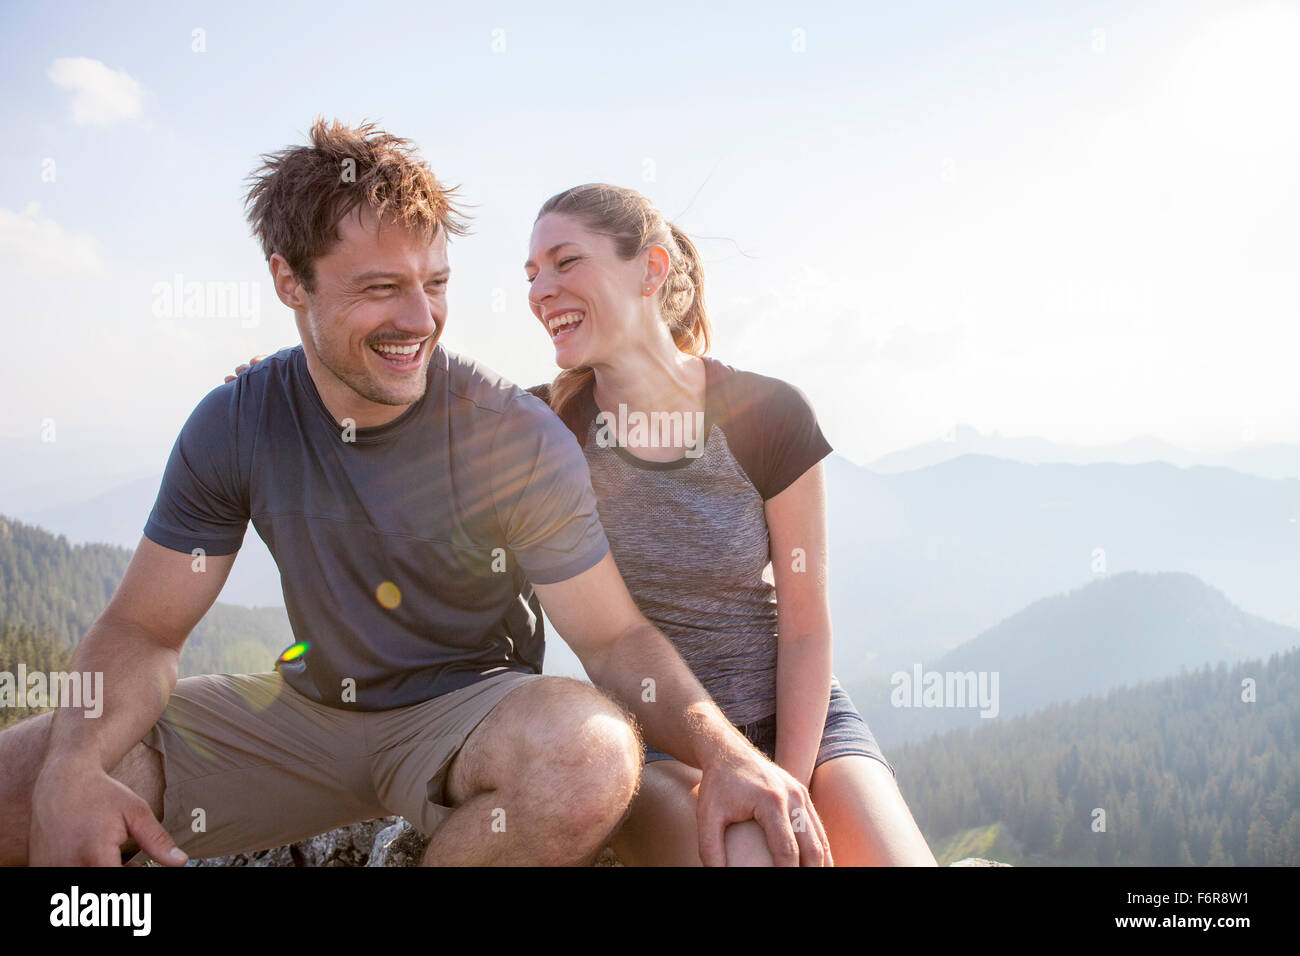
(575, 725)
(577, 749)
(22, 750)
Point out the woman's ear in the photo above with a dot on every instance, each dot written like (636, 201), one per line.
(656, 270)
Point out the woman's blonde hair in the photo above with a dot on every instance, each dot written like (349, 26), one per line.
(635, 225)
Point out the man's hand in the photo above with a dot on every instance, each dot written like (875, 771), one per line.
(745, 786)
(240, 369)
(82, 817)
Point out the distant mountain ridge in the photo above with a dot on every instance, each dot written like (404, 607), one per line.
(1115, 631)
(118, 516)
(1264, 460)
(924, 560)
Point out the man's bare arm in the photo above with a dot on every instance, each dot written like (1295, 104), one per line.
(621, 651)
(80, 815)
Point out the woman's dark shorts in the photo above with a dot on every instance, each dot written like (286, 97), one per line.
(846, 733)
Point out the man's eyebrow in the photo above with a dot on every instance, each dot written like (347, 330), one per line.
(380, 274)
(551, 251)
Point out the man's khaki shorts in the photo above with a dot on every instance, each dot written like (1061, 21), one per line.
(250, 763)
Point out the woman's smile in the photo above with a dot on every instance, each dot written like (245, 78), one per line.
(563, 324)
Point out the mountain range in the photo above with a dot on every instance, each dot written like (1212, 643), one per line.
(1116, 631)
(924, 560)
(1263, 459)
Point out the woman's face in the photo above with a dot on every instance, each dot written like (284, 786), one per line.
(591, 303)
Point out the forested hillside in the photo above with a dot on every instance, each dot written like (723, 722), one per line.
(1187, 772)
(51, 591)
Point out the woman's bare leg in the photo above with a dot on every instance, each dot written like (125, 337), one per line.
(866, 818)
(660, 828)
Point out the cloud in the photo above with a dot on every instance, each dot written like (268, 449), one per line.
(32, 243)
(101, 95)
(921, 348)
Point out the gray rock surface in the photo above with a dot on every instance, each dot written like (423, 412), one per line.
(352, 845)
(387, 841)
(398, 845)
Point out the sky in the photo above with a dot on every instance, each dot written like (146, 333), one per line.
(1074, 221)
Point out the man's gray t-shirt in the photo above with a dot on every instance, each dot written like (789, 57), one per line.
(405, 550)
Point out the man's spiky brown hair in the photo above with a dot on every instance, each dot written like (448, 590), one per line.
(300, 194)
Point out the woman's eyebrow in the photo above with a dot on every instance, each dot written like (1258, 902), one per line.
(551, 251)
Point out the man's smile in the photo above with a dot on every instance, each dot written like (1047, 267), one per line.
(400, 356)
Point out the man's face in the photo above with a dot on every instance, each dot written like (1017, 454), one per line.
(379, 307)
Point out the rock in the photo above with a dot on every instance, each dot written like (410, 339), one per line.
(387, 841)
(398, 845)
(607, 857)
(276, 856)
(347, 846)
(351, 845)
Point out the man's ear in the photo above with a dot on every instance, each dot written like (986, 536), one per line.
(656, 268)
(287, 286)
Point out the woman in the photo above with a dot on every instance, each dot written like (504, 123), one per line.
(694, 501)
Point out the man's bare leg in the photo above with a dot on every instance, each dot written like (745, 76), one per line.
(22, 752)
(543, 780)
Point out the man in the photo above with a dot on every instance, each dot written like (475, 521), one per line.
(408, 496)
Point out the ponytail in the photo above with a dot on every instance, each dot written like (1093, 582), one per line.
(683, 298)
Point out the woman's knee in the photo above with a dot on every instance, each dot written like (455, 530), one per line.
(746, 845)
(661, 830)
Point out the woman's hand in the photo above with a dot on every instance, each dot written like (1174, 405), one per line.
(239, 369)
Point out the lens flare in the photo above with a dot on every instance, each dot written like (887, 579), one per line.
(293, 652)
(388, 595)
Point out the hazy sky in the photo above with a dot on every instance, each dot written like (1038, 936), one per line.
(1078, 224)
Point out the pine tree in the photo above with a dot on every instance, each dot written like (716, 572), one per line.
(1261, 845)
(1291, 840)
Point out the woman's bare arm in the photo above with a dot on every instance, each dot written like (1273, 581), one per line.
(796, 521)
